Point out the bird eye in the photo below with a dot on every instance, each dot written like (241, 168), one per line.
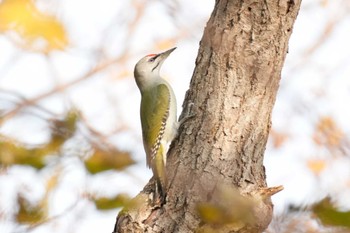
(152, 57)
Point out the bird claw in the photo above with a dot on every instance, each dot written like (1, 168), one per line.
(188, 115)
(159, 196)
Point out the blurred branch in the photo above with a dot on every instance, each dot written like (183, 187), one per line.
(22, 99)
(140, 8)
(338, 15)
(51, 219)
(102, 139)
(59, 88)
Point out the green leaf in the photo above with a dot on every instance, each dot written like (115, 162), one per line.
(102, 160)
(210, 213)
(329, 215)
(227, 209)
(29, 214)
(11, 153)
(105, 203)
(62, 130)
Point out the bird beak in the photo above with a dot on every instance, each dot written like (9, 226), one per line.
(165, 54)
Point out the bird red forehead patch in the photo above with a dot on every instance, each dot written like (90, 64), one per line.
(151, 55)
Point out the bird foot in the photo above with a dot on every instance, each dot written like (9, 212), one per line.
(159, 197)
(188, 115)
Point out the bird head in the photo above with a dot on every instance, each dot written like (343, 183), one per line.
(150, 65)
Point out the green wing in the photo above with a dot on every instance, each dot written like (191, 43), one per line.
(155, 104)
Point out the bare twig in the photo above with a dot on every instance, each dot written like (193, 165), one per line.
(87, 75)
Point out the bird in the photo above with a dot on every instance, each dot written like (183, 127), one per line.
(158, 115)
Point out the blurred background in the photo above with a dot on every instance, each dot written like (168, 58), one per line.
(71, 150)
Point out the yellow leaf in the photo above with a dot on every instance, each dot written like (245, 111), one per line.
(278, 138)
(328, 133)
(32, 25)
(316, 165)
(52, 182)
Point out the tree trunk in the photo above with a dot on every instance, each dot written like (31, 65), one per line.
(215, 166)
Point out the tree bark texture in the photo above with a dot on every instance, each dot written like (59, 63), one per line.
(233, 90)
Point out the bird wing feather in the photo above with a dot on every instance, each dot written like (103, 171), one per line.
(154, 114)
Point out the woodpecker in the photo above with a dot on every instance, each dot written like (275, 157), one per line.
(158, 115)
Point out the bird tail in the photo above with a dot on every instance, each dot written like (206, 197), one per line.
(159, 173)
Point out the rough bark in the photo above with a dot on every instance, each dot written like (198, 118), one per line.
(233, 90)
